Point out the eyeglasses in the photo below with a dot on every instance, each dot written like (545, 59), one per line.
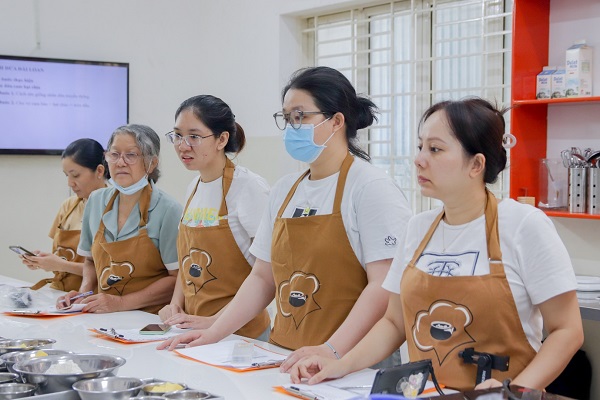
(190, 140)
(294, 118)
(114, 156)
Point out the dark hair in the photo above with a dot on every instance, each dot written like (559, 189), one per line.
(146, 139)
(88, 153)
(218, 117)
(333, 93)
(479, 127)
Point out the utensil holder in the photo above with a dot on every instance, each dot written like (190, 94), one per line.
(593, 191)
(577, 189)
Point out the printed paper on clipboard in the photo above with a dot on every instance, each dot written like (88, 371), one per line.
(220, 355)
(50, 312)
(133, 336)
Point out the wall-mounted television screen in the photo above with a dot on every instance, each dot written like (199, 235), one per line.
(45, 104)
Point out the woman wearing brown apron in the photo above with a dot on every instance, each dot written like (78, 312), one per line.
(129, 230)
(479, 273)
(83, 165)
(220, 218)
(327, 237)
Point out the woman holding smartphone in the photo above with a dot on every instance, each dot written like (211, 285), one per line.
(83, 165)
(223, 209)
(129, 230)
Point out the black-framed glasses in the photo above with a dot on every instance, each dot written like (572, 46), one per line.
(294, 118)
(114, 156)
(190, 140)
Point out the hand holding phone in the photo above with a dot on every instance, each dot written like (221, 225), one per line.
(155, 329)
(21, 251)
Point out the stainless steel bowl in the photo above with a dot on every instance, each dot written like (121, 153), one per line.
(16, 390)
(188, 394)
(14, 357)
(109, 388)
(92, 366)
(9, 345)
(8, 377)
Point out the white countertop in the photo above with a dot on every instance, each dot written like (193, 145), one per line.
(143, 360)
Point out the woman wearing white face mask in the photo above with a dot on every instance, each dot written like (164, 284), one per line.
(328, 236)
(129, 230)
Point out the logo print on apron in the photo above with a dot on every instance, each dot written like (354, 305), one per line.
(296, 296)
(65, 253)
(116, 276)
(442, 328)
(195, 265)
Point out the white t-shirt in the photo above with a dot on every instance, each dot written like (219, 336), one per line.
(374, 210)
(535, 260)
(246, 200)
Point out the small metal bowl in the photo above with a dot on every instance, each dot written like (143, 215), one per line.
(153, 388)
(10, 359)
(9, 345)
(188, 394)
(148, 398)
(8, 377)
(91, 365)
(16, 390)
(109, 388)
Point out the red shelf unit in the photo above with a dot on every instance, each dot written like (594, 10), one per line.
(529, 116)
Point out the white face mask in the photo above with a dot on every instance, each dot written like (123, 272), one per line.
(129, 190)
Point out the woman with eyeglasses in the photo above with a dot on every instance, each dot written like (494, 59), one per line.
(224, 206)
(129, 231)
(476, 282)
(83, 165)
(328, 236)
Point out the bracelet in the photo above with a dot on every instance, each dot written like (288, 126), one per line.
(335, 353)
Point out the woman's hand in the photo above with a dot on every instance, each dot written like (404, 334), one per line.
(168, 311)
(65, 301)
(188, 339)
(103, 303)
(316, 369)
(488, 384)
(185, 321)
(47, 261)
(304, 352)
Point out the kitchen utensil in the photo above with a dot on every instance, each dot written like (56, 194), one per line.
(10, 359)
(9, 345)
(16, 390)
(108, 388)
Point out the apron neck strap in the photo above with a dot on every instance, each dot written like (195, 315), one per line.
(341, 182)
(491, 232)
(144, 202)
(227, 180)
(73, 207)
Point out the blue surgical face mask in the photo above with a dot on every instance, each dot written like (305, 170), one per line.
(300, 143)
(129, 190)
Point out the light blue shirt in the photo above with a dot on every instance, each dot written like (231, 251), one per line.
(163, 222)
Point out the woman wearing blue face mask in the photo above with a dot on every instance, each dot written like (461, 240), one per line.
(329, 234)
(129, 231)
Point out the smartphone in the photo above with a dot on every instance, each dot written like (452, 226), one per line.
(155, 329)
(390, 380)
(21, 251)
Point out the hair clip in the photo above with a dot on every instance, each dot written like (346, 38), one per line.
(509, 140)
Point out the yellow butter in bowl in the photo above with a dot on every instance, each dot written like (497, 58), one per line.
(40, 353)
(164, 387)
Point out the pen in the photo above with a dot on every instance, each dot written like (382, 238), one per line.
(267, 364)
(305, 394)
(80, 295)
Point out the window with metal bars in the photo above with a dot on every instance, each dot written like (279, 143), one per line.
(408, 54)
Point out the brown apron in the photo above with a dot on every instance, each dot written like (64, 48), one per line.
(129, 265)
(445, 315)
(212, 266)
(317, 274)
(64, 245)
